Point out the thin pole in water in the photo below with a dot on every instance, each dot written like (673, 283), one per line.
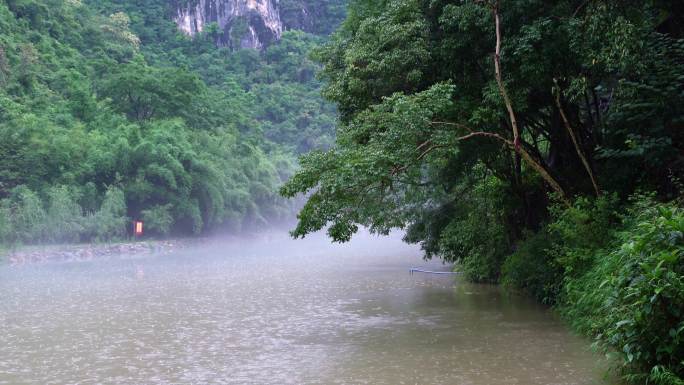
(417, 270)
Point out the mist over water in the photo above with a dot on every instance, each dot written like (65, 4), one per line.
(271, 310)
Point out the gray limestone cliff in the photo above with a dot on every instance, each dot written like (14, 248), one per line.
(241, 23)
(256, 23)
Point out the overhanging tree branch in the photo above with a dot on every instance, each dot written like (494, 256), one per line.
(526, 157)
(499, 77)
(575, 143)
(515, 144)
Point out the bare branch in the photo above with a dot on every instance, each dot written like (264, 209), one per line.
(580, 8)
(499, 77)
(511, 113)
(459, 125)
(429, 149)
(486, 134)
(576, 144)
(425, 143)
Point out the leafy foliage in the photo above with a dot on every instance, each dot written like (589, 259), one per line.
(419, 102)
(63, 221)
(25, 220)
(25, 216)
(110, 221)
(533, 269)
(631, 298)
(564, 249)
(109, 114)
(158, 219)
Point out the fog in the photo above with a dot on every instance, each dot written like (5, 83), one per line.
(267, 309)
(279, 242)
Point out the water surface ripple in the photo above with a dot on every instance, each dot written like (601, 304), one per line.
(270, 311)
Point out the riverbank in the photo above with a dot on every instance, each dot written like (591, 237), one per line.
(89, 251)
(32, 254)
(616, 275)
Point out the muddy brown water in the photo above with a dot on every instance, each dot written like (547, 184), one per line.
(272, 311)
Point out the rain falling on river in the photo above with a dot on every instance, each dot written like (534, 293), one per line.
(269, 310)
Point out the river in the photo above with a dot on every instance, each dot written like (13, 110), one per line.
(273, 311)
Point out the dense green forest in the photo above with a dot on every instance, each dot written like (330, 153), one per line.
(108, 114)
(539, 144)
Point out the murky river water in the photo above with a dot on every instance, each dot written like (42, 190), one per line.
(276, 312)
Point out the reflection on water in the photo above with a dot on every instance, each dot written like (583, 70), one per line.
(276, 312)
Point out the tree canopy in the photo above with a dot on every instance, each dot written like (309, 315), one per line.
(436, 98)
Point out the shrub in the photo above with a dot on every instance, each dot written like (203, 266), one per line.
(64, 222)
(26, 215)
(109, 222)
(533, 268)
(5, 223)
(632, 299)
(158, 219)
(645, 320)
(475, 233)
(581, 230)
(562, 249)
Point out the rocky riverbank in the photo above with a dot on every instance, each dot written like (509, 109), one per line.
(88, 252)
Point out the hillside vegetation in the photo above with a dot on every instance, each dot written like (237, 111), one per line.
(109, 114)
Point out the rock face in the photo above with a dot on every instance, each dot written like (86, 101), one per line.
(320, 17)
(296, 14)
(242, 23)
